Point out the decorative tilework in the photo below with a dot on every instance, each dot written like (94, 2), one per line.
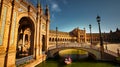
(13, 28)
(3, 25)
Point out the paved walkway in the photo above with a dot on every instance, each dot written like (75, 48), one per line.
(112, 47)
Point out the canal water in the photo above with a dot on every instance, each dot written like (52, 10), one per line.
(82, 63)
(80, 58)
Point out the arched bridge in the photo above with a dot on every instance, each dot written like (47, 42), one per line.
(107, 54)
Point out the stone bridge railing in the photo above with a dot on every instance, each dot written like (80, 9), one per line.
(83, 45)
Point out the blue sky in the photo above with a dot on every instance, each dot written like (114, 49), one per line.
(69, 14)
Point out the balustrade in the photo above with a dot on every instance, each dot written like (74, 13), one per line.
(23, 60)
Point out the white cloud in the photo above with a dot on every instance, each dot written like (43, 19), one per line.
(55, 7)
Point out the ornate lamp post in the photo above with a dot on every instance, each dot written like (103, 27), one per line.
(101, 40)
(90, 34)
(56, 36)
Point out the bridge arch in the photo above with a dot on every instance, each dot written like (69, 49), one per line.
(93, 50)
(88, 54)
(95, 54)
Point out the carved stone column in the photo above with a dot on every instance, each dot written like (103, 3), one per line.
(23, 42)
(47, 35)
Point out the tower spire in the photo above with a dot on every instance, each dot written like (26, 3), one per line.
(39, 8)
(38, 3)
(47, 12)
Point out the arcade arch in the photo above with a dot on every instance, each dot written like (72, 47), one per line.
(25, 40)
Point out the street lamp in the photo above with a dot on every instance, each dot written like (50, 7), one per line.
(101, 40)
(90, 34)
(56, 36)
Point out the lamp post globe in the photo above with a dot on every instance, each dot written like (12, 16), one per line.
(90, 26)
(98, 19)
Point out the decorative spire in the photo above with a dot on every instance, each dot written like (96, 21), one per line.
(84, 28)
(47, 13)
(117, 29)
(38, 3)
(39, 8)
(47, 10)
(110, 31)
(46, 6)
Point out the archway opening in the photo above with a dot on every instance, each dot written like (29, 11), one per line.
(43, 43)
(25, 40)
(75, 54)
